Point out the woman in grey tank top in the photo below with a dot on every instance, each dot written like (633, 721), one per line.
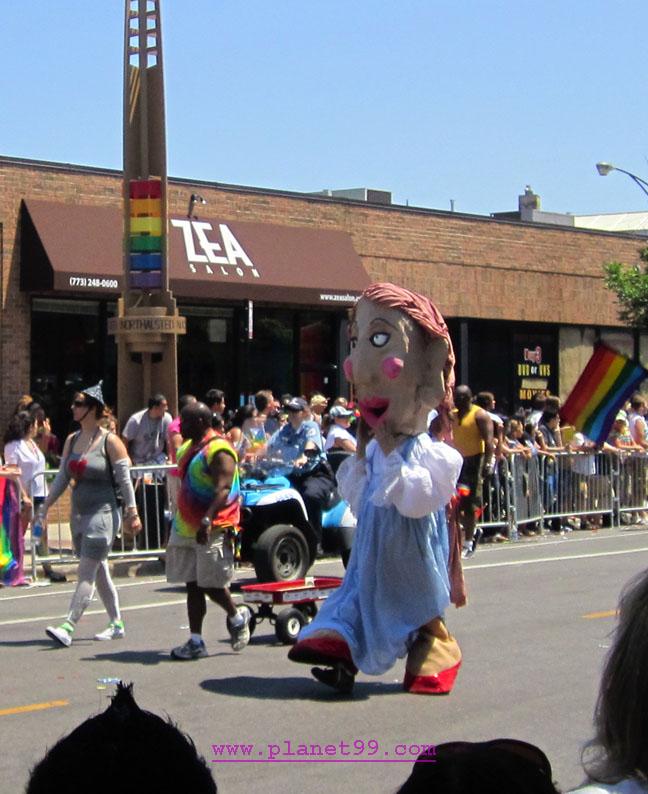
(94, 463)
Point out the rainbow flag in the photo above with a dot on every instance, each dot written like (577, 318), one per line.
(8, 513)
(607, 382)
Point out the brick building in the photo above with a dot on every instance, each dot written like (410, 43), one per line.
(524, 301)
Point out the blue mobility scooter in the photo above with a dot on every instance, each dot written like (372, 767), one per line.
(277, 536)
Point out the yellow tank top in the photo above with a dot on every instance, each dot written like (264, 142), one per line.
(467, 437)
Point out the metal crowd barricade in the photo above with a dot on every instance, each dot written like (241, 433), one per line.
(496, 499)
(526, 500)
(578, 485)
(549, 489)
(541, 489)
(633, 485)
(150, 483)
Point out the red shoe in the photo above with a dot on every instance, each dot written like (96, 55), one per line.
(439, 684)
(322, 650)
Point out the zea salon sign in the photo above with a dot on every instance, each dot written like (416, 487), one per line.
(212, 250)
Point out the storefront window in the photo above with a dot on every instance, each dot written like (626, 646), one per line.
(269, 355)
(317, 361)
(535, 365)
(512, 362)
(291, 351)
(69, 350)
(490, 360)
(207, 352)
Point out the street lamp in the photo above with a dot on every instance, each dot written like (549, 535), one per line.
(605, 168)
(195, 199)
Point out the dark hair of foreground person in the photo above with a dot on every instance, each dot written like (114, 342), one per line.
(124, 749)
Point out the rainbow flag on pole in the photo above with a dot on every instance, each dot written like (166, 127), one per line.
(607, 382)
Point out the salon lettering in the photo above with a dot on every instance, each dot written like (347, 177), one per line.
(215, 250)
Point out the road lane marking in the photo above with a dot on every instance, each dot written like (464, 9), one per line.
(508, 563)
(609, 613)
(132, 608)
(50, 704)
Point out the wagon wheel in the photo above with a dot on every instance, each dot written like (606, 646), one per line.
(289, 624)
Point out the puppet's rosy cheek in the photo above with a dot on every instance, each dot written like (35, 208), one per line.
(348, 369)
(392, 366)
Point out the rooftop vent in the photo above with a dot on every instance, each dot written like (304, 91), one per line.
(528, 200)
(360, 194)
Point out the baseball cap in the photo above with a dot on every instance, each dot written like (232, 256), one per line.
(340, 412)
(622, 416)
(296, 404)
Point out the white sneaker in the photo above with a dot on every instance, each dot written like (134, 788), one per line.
(240, 635)
(190, 650)
(115, 631)
(62, 634)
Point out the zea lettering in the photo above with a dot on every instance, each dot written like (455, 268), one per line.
(228, 255)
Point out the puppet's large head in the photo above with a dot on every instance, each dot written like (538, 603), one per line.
(401, 360)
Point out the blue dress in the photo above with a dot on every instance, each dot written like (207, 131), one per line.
(397, 578)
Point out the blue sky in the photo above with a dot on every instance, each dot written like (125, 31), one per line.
(432, 100)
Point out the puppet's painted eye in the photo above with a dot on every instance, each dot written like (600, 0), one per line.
(379, 339)
(353, 341)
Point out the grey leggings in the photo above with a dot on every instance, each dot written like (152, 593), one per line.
(93, 572)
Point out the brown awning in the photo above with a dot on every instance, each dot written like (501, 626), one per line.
(75, 248)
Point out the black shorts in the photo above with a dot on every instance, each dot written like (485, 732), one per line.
(471, 477)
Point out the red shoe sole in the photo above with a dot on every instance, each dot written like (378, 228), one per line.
(440, 684)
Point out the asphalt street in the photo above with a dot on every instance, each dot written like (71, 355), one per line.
(533, 636)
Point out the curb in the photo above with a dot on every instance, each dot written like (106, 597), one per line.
(119, 569)
(131, 568)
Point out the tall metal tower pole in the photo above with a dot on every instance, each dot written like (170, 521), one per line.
(148, 321)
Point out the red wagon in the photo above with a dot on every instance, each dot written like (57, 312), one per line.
(299, 596)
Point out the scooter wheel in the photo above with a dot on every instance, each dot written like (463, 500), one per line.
(288, 625)
(281, 554)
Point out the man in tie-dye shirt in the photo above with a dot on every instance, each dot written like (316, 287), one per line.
(200, 550)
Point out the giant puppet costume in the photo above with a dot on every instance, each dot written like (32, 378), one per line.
(399, 579)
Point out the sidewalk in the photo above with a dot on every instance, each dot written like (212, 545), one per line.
(63, 560)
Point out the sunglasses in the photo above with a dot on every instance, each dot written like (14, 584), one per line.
(79, 403)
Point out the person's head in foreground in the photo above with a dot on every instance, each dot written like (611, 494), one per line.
(619, 749)
(502, 766)
(125, 749)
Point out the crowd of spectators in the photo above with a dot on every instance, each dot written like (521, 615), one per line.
(572, 470)
(528, 440)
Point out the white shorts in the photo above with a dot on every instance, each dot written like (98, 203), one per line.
(210, 565)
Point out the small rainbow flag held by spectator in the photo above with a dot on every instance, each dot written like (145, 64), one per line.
(607, 382)
(7, 562)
